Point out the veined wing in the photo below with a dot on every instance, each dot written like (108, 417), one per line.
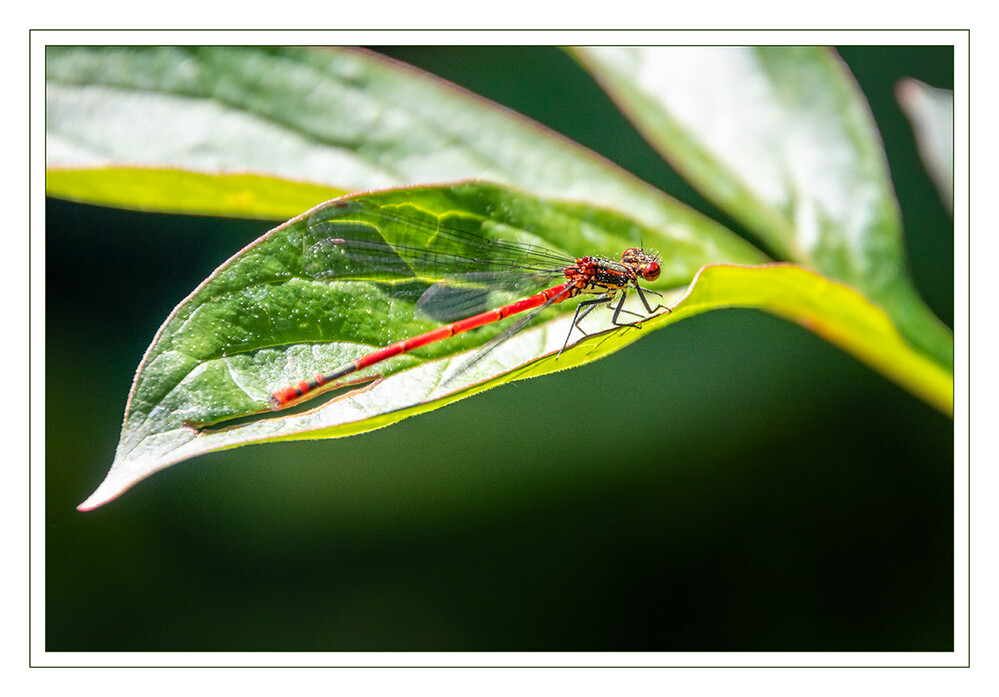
(359, 240)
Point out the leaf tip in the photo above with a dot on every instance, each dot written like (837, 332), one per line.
(107, 491)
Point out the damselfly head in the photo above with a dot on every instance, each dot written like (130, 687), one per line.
(647, 265)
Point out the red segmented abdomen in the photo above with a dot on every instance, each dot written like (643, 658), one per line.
(287, 395)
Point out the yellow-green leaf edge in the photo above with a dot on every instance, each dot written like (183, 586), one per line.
(175, 190)
(831, 309)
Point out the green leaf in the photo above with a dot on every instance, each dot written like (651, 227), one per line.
(340, 118)
(782, 139)
(261, 322)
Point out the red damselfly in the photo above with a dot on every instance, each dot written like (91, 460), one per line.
(456, 276)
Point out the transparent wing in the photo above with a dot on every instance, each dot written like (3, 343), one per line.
(500, 338)
(464, 295)
(358, 240)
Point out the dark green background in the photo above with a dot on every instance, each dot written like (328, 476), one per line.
(730, 483)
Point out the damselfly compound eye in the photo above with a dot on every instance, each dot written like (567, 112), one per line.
(651, 271)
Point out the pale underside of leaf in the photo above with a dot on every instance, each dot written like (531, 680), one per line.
(931, 112)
